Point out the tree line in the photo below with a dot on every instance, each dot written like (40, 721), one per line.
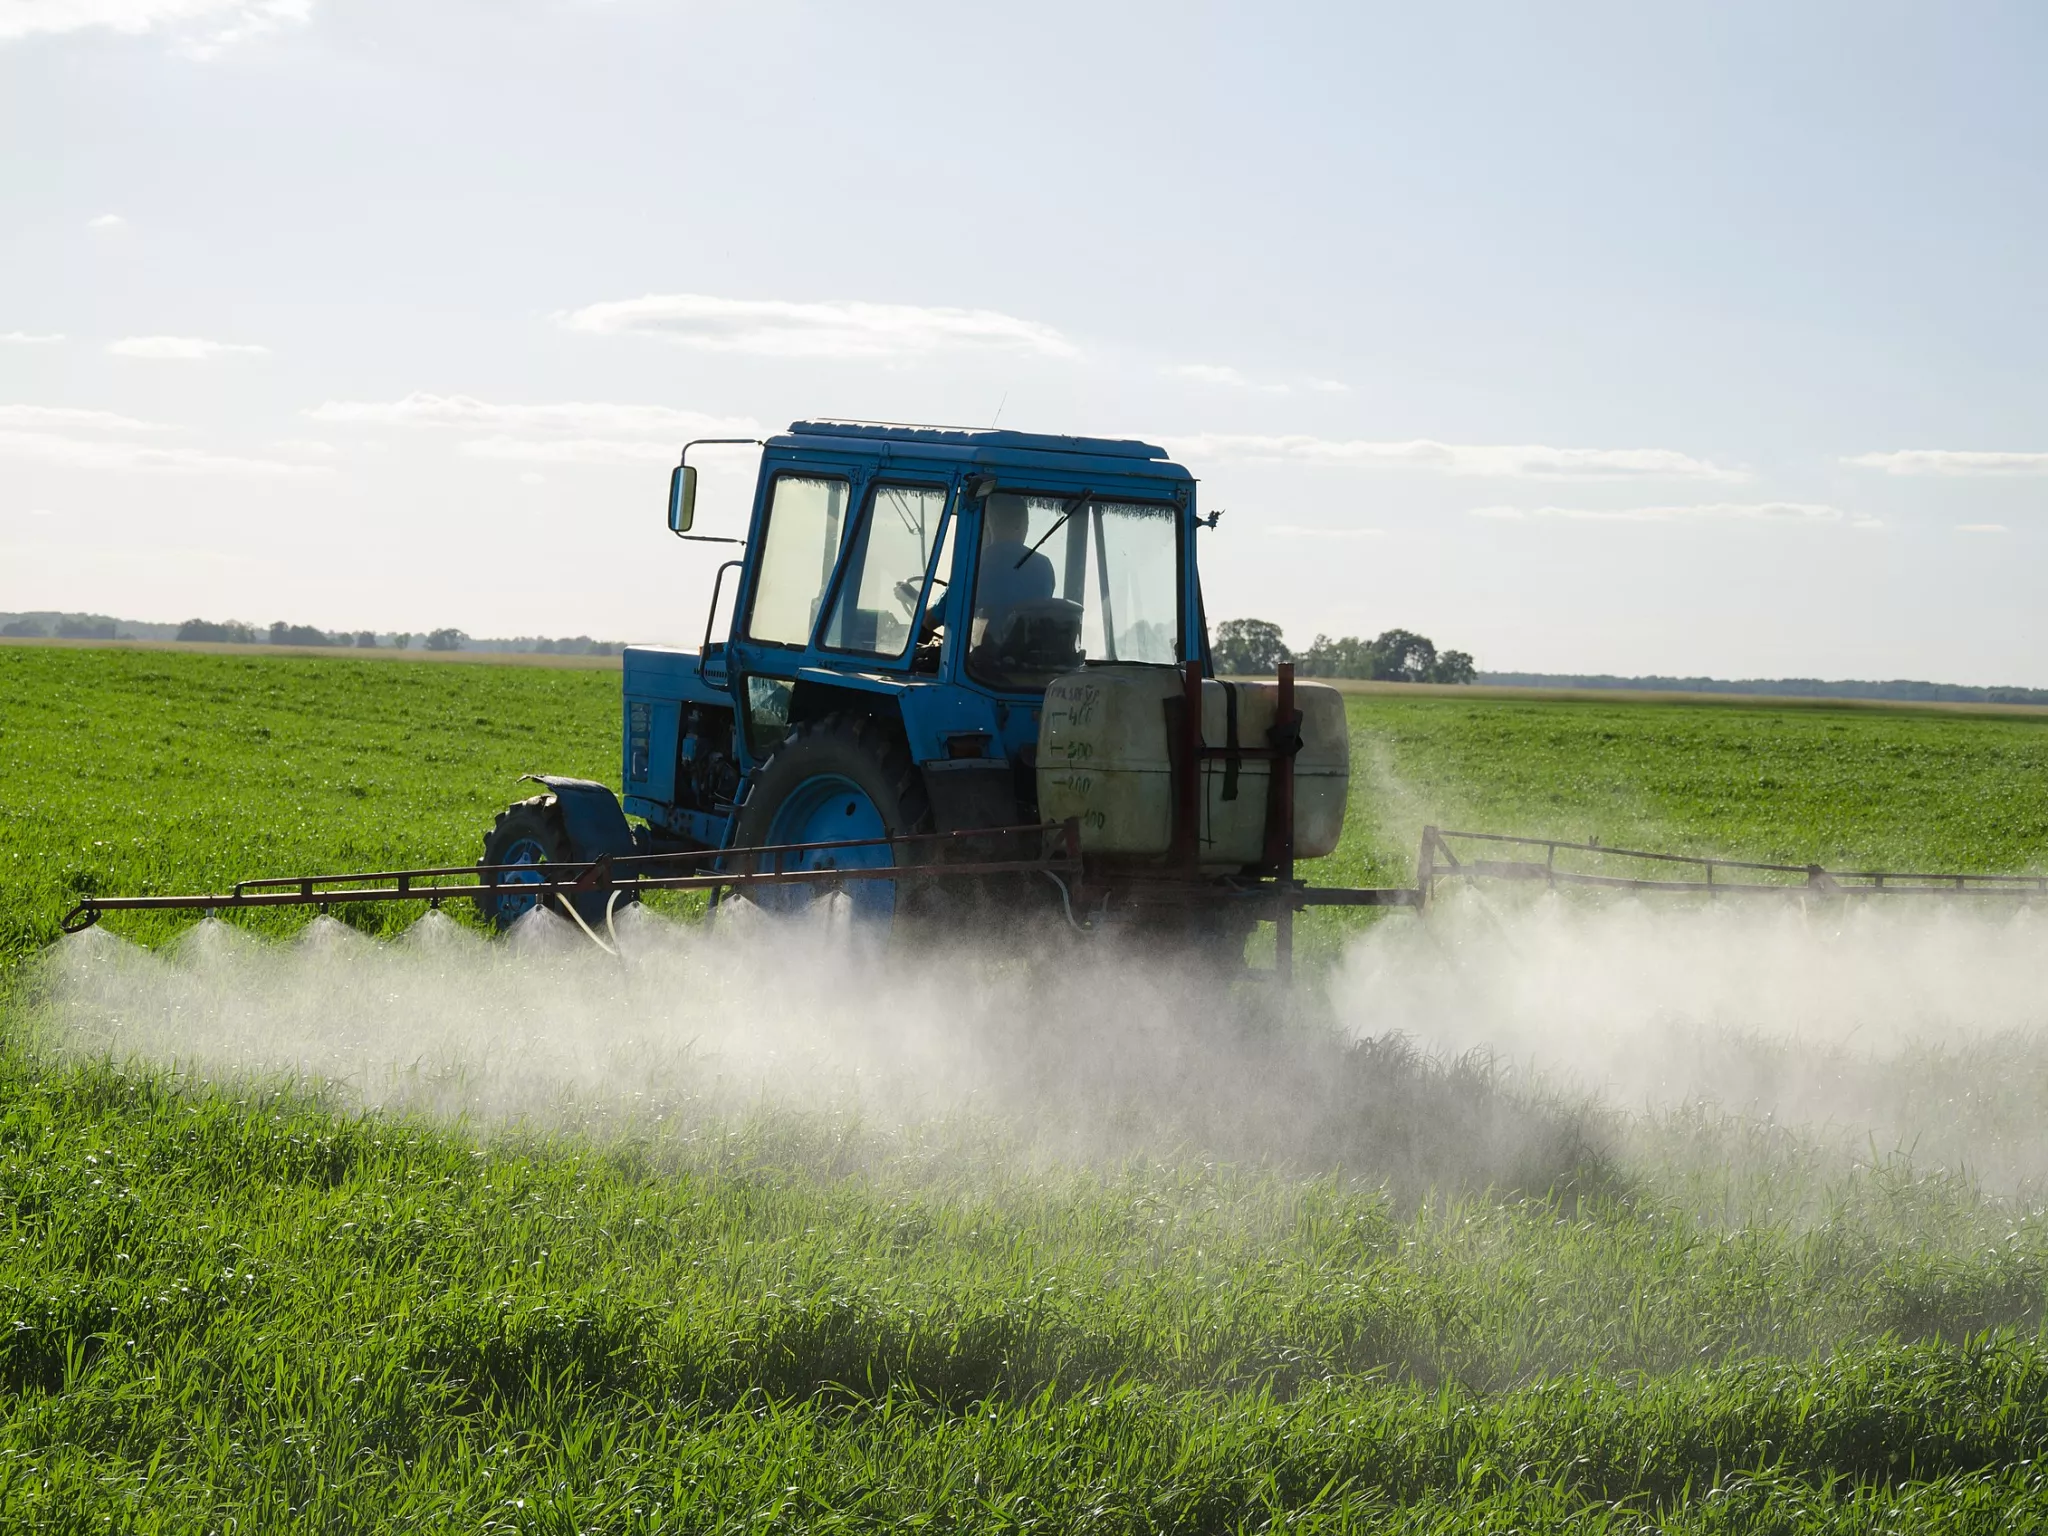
(281, 633)
(233, 633)
(1255, 648)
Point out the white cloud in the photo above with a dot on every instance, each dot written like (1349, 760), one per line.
(1295, 531)
(253, 19)
(1209, 373)
(572, 450)
(305, 447)
(206, 25)
(1330, 386)
(1951, 461)
(1982, 528)
(838, 329)
(71, 438)
(30, 339)
(1709, 512)
(1221, 374)
(574, 417)
(114, 453)
(65, 418)
(1521, 462)
(105, 223)
(564, 432)
(184, 349)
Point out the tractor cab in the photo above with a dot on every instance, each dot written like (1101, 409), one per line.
(951, 574)
(902, 599)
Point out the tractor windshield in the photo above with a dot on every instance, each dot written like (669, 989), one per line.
(1066, 581)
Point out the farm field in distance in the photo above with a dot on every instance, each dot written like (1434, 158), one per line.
(230, 1303)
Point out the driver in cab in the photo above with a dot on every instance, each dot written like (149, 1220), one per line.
(1012, 573)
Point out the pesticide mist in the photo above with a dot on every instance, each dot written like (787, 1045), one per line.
(1543, 1046)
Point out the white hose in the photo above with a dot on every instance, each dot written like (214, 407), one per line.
(569, 907)
(1066, 903)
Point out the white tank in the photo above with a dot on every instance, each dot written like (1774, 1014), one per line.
(1103, 759)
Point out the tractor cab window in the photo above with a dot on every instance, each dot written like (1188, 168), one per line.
(884, 581)
(806, 514)
(1067, 581)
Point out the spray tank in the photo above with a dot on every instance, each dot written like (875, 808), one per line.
(1108, 752)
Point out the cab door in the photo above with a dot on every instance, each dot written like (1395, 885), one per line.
(800, 533)
(882, 615)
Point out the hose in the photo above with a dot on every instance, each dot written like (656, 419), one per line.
(1067, 903)
(569, 907)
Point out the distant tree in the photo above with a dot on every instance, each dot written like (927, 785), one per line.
(298, 634)
(86, 629)
(1325, 657)
(218, 634)
(447, 640)
(23, 629)
(366, 639)
(1454, 667)
(1401, 656)
(1248, 647)
(1395, 656)
(401, 642)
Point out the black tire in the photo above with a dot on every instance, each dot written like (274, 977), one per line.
(869, 753)
(535, 824)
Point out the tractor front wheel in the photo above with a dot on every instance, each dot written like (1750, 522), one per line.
(527, 834)
(833, 780)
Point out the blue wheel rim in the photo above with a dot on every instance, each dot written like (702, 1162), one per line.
(526, 851)
(830, 808)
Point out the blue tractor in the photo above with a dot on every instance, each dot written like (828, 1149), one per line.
(904, 600)
(970, 669)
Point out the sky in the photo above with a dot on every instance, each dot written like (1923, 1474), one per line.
(1584, 338)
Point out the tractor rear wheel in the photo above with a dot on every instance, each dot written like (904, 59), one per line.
(844, 776)
(529, 833)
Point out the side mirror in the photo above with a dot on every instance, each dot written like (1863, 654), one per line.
(682, 498)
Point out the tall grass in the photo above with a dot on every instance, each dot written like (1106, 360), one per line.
(226, 1302)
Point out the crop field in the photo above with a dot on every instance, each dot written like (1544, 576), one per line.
(1325, 1270)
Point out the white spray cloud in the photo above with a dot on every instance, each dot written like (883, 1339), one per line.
(1921, 1027)
(693, 1021)
(1858, 1019)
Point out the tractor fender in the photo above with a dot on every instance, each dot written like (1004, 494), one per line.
(590, 815)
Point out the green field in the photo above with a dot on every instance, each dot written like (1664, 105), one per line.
(234, 1307)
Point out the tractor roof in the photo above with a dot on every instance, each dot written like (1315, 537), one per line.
(971, 442)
